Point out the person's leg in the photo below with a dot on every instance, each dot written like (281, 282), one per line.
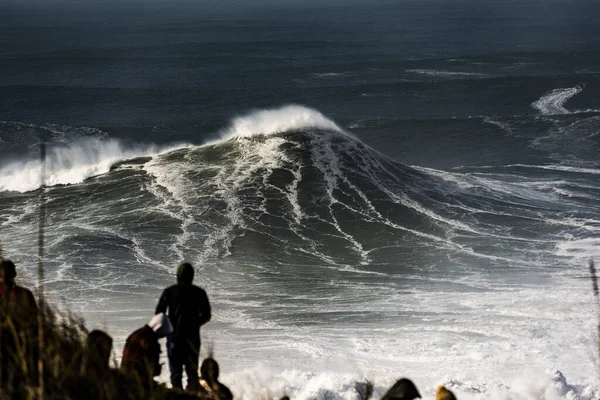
(191, 365)
(175, 364)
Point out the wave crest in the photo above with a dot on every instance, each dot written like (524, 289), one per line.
(277, 120)
(84, 158)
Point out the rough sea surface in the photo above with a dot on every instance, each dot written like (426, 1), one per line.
(366, 191)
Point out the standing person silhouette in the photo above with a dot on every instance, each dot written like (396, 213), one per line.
(18, 331)
(17, 298)
(188, 309)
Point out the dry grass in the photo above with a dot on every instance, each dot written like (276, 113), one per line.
(61, 357)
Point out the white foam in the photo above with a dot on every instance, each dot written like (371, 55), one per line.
(255, 159)
(264, 382)
(72, 163)
(579, 248)
(552, 103)
(278, 120)
(292, 195)
(502, 125)
(331, 74)
(229, 182)
(326, 160)
(433, 72)
(551, 167)
(499, 344)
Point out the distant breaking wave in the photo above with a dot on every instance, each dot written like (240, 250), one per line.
(552, 103)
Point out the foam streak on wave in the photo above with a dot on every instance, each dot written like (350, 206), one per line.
(255, 162)
(73, 163)
(550, 167)
(552, 103)
(327, 162)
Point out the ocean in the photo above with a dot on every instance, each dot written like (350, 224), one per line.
(367, 191)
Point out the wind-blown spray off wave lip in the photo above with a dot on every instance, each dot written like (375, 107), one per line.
(73, 163)
(552, 103)
(278, 120)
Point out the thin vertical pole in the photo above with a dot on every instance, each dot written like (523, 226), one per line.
(1, 360)
(596, 291)
(41, 311)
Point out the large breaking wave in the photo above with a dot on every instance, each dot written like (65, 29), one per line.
(292, 179)
(285, 201)
(81, 157)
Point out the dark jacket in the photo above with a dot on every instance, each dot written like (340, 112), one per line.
(188, 309)
(18, 338)
(141, 354)
(18, 305)
(18, 298)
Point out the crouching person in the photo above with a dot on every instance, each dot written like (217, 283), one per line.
(209, 383)
(142, 351)
(97, 380)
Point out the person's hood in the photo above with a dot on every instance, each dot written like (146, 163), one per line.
(161, 324)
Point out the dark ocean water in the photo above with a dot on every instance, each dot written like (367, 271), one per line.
(365, 190)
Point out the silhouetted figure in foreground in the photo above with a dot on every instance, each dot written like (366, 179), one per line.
(96, 356)
(403, 389)
(142, 350)
(97, 381)
(14, 299)
(444, 394)
(210, 384)
(188, 308)
(18, 330)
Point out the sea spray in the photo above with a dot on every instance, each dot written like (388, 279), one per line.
(284, 119)
(73, 163)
